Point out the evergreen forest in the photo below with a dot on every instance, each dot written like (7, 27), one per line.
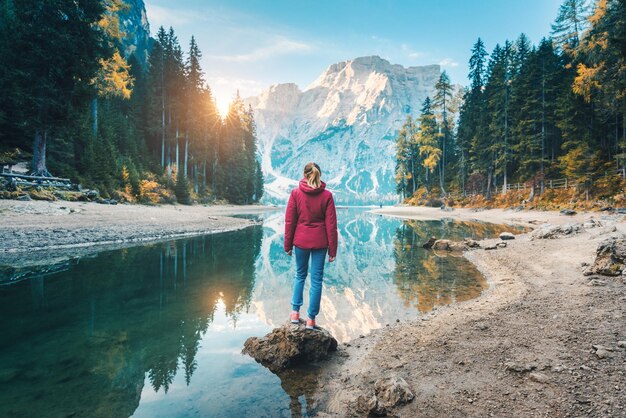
(136, 130)
(532, 118)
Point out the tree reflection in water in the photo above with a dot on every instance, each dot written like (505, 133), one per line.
(158, 329)
(427, 279)
(82, 342)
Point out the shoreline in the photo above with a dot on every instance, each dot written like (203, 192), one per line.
(524, 347)
(37, 233)
(530, 218)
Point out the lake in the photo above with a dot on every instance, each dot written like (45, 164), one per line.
(157, 330)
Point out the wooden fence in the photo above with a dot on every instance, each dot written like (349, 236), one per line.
(23, 180)
(548, 184)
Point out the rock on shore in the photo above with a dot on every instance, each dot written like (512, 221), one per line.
(290, 345)
(610, 257)
(448, 245)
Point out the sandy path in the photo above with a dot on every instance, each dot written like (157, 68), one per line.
(540, 316)
(40, 232)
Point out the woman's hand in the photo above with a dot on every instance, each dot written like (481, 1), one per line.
(331, 258)
(289, 253)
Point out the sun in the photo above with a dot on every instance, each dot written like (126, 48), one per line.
(222, 104)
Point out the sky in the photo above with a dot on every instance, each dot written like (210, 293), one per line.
(248, 45)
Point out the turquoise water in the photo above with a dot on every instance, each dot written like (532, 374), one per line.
(157, 330)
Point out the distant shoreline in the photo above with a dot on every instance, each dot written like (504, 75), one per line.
(39, 232)
(508, 216)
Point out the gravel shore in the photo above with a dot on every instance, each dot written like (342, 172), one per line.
(39, 232)
(544, 340)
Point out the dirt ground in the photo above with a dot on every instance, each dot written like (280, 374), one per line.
(40, 232)
(544, 340)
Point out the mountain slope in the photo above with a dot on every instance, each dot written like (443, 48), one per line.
(346, 121)
(134, 24)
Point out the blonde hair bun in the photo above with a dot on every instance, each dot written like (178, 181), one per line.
(313, 174)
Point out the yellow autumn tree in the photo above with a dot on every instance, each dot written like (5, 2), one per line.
(113, 78)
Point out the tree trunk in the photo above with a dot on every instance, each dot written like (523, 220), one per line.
(177, 160)
(168, 158)
(186, 152)
(543, 129)
(94, 117)
(204, 176)
(39, 153)
(506, 135)
(413, 176)
(213, 173)
(163, 132)
(488, 195)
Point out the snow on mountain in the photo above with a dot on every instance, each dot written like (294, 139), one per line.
(346, 121)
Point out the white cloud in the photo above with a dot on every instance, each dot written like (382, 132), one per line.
(166, 16)
(448, 62)
(409, 52)
(277, 46)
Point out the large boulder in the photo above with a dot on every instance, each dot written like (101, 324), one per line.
(610, 257)
(290, 345)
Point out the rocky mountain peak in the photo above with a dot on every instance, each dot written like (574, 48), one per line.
(347, 120)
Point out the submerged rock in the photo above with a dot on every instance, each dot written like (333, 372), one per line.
(429, 244)
(290, 345)
(610, 257)
(568, 212)
(456, 246)
(441, 244)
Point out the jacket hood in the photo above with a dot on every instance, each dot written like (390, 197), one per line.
(304, 186)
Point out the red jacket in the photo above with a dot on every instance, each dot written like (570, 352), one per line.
(311, 220)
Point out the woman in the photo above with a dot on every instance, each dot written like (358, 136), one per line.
(310, 227)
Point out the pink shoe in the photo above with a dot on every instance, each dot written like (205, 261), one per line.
(295, 317)
(310, 324)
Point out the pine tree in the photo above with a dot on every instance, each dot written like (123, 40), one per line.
(441, 102)
(428, 141)
(570, 25)
(182, 188)
(471, 133)
(403, 144)
(497, 93)
(195, 86)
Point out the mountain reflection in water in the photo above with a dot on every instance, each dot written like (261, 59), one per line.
(157, 330)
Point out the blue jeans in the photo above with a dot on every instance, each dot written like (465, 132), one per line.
(317, 274)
